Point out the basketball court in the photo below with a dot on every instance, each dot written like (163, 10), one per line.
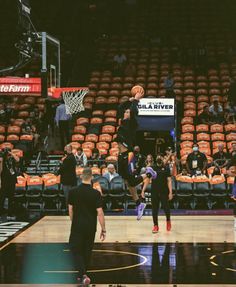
(198, 250)
(183, 60)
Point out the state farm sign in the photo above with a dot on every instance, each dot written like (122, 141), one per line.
(20, 86)
(14, 88)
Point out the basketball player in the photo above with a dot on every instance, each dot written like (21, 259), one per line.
(161, 192)
(126, 165)
(126, 138)
(128, 112)
(85, 205)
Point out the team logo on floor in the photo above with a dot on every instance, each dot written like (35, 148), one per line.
(8, 229)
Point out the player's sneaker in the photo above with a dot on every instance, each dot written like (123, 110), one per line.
(140, 210)
(168, 225)
(155, 229)
(151, 173)
(86, 280)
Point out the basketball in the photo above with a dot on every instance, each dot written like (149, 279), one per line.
(137, 89)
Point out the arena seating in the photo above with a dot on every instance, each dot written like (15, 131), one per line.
(165, 43)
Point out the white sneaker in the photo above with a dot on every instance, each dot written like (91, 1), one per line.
(140, 210)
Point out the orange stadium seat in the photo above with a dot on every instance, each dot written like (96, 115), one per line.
(189, 106)
(218, 137)
(110, 120)
(88, 145)
(216, 128)
(80, 129)
(204, 144)
(105, 138)
(96, 120)
(186, 144)
(6, 145)
(82, 121)
(26, 138)
(103, 151)
(13, 130)
(97, 113)
(202, 128)
(110, 113)
(2, 130)
(231, 137)
(108, 129)
(230, 128)
(203, 137)
(187, 120)
(102, 145)
(77, 138)
(114, 151)
(91, 138)
(13, 138)
(190, 113)
(187, 137)
(202, 98)
(2, 138)
(23, 114)
(111, 158)
(188, 128)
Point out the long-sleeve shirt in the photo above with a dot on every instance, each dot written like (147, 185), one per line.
(61, 114)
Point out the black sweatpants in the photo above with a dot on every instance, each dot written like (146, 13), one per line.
(158, 197)
(64, 128)
(81, 246)
(7, 191)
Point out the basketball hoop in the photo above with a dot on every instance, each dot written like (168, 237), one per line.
(73, 98)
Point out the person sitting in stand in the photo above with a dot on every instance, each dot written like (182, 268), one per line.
(217, 112)
(111, 172)
(29, 129)
(221, 158)
(205, 117)
(81, 158)
(196, 161)
(96, 159)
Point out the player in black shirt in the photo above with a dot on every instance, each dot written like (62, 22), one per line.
(128, 113)
(85, 205)
(68, 171)
(8, 173)
(161, 192)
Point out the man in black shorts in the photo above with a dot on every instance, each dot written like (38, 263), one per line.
(85, 205)
(126, 166)
(161, 192)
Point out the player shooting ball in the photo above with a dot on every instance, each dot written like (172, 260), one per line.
(126, 137)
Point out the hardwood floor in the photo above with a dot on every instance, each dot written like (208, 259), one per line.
(211, 229)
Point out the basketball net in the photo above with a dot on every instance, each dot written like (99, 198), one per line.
(74, 100)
